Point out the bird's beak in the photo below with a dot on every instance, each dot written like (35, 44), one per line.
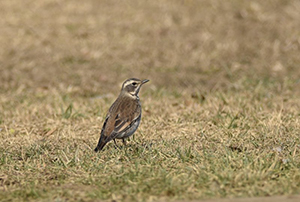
(145, 81)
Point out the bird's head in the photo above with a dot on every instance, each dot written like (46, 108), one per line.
(132, 86)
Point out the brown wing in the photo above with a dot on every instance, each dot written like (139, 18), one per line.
(122, 114)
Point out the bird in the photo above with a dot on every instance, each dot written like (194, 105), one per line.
(124, 115)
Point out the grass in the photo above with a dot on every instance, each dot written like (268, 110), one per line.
(220, 115)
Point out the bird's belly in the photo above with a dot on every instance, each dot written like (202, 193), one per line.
(129, 131)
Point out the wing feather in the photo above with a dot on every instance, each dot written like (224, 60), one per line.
(122, 114)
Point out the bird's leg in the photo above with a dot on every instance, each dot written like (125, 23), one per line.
(124, 142)
(116, 144)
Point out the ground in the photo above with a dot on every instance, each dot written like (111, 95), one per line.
(220, 113)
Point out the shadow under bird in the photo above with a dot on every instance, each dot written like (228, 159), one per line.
(124, 116)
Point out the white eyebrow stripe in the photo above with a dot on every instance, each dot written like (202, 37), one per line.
(129, 82)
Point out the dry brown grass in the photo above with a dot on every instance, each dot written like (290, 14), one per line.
(220, 116)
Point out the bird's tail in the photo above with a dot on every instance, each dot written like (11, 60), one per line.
(102, 142)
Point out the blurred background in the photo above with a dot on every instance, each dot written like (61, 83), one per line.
(90, 47)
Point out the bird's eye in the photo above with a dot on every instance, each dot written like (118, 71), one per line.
(134, 83)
